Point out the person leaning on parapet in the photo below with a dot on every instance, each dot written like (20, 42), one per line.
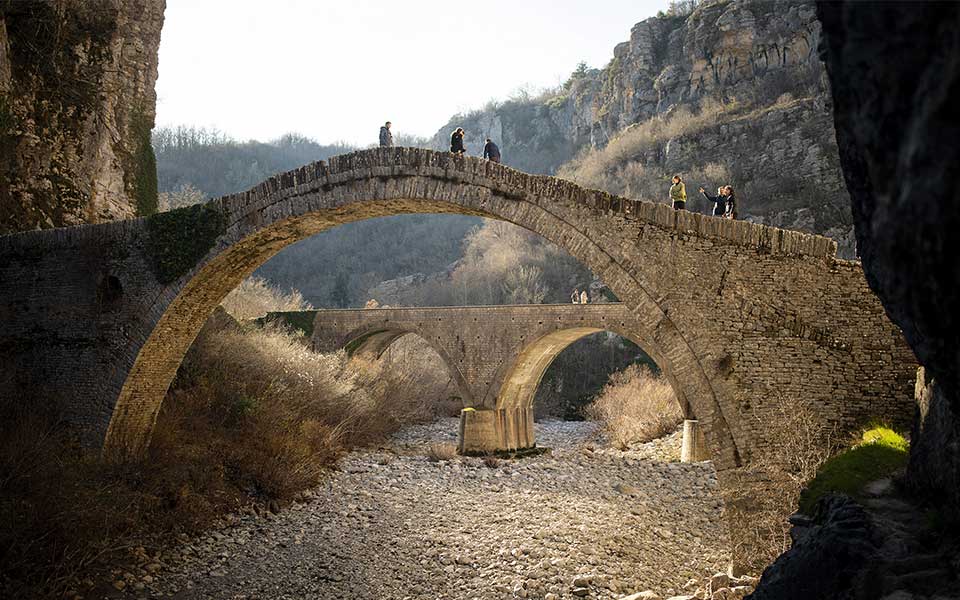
(386, 138)
(678, 193)
(575, 296)
(456, 141)
(491, 151)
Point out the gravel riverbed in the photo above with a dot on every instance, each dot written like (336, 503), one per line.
(583, 520)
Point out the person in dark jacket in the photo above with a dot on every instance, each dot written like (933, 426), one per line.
(730, 209)
(456, 141)
(491, 151)
(720, 201)
(386, 138)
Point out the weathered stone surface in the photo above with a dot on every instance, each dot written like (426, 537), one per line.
(826, 557)
(99, 317)
(77, 105)
(895, 72)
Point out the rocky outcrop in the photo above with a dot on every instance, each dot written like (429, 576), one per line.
(895, 72)
(755, 55)
(77, 106)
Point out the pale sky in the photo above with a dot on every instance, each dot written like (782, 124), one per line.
(336, 70)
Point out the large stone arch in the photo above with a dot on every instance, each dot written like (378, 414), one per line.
(99, 317)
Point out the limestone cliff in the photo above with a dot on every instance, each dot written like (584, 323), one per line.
(77, 106)
(733, 92)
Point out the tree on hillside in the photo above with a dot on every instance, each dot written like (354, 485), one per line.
(340, 295)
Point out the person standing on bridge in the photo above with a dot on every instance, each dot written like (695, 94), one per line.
(456, 141)
(386, 138)
(719, 201)
(678, 193)
(584, 299)
(491, 151)
(730, 208)
(575, 296)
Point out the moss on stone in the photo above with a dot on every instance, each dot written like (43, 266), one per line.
(354, 344)
(177, 240)
(299, 320)
(143, 169)
(881, 452)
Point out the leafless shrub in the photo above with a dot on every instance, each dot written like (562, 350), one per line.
(604, 168)
(185, 195)
(413, 379)
(441, 452)
(255, 297)
(767, 489)
(491, 462)
(636, 406)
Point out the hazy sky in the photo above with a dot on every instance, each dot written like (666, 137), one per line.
(336, 70)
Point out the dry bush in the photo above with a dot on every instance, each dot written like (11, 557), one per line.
(767, 489)
(441, 452)
(491, 462)
(636, 406)
(255, 297)
(412, 379)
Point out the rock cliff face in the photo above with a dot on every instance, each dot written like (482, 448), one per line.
(773, 139)
(895, 73)
(77, 106)
(895, 70)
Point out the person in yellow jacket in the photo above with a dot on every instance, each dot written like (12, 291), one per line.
(678, 193)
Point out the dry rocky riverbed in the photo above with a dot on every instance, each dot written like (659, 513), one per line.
(581, 521)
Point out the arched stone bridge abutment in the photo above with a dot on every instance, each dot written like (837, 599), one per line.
(496, 354)
(97, 318)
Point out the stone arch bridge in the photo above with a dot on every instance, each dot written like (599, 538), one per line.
(749, 320)
(496, 355)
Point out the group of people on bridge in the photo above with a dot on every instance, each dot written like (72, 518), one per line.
(724, 203)
(491, 151)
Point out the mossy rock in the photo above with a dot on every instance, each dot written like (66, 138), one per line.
(177, 240)
(881, 453)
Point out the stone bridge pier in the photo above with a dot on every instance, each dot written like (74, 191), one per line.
(497, 355)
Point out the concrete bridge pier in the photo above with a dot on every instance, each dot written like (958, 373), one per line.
(694, 447)
(489, 430)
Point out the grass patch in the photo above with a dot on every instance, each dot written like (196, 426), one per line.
(880, 453)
